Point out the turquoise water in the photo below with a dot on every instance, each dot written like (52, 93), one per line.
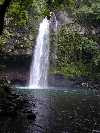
(59, 111)
(66, 110)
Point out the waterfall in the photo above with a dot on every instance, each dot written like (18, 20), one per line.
(40, 60)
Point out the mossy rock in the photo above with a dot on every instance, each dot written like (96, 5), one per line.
(5, 87)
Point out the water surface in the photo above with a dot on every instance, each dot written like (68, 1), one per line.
(59, 111)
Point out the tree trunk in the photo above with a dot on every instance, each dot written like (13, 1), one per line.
(3, 9)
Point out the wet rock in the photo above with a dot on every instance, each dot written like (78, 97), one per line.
(96, 131)
(31, 115)
(9, 113)
(14, 105)
(13, 109)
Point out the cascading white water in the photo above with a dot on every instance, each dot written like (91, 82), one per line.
(40, 61)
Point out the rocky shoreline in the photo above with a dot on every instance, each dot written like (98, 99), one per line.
(14, 105)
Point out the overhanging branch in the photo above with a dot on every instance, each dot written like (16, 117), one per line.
(3, 9)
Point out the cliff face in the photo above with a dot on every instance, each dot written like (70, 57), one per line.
(15, 67)
(74, 48)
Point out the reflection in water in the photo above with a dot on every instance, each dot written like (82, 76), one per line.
(58, 111)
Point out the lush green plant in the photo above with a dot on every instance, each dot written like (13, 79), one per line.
(88, 13)
(76, 53)
(1, 1)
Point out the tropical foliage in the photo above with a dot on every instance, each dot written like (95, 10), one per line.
(78, 51)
